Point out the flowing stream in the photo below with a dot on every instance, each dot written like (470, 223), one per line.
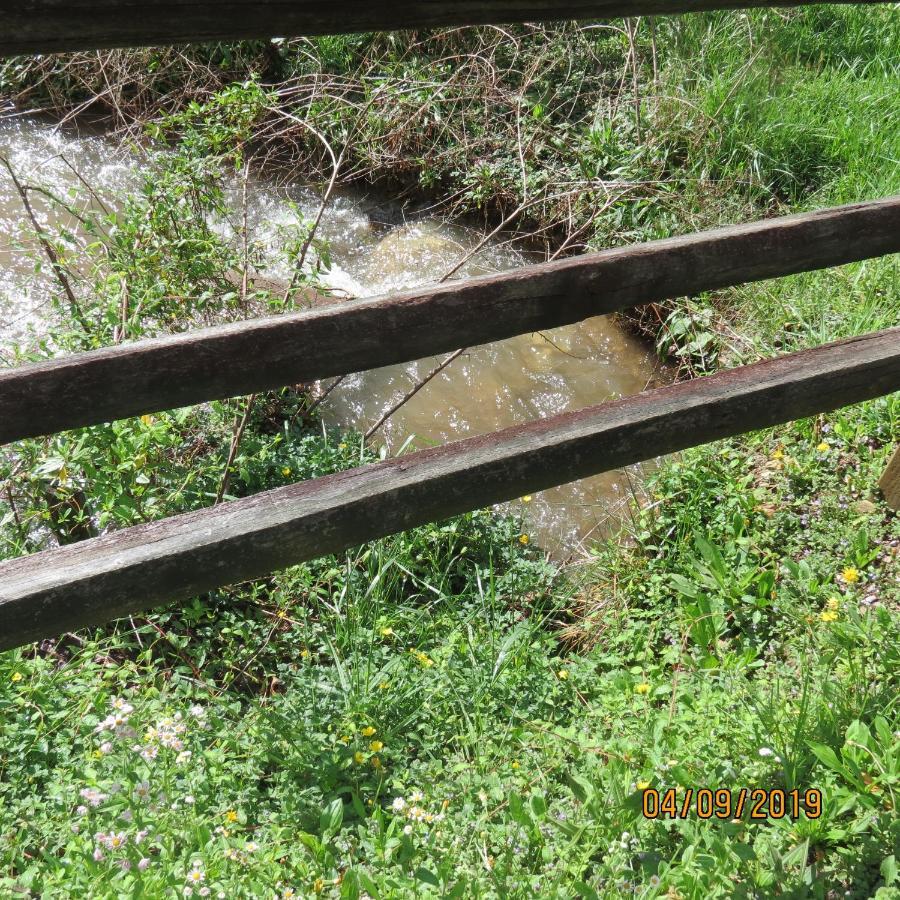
(373, 251)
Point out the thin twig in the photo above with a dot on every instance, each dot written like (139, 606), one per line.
(237, 434)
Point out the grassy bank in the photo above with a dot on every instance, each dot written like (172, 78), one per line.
(444, 713)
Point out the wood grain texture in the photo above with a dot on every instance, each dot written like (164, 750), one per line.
(261, 354)
(889, 483)
(173, 559)
(44, 26)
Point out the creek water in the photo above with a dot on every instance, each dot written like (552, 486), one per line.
(373, 251)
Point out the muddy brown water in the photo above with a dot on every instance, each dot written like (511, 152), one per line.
(488, 388)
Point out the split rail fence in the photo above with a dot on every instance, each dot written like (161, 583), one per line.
(125, 571)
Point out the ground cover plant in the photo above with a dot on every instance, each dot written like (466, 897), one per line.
(446, 712)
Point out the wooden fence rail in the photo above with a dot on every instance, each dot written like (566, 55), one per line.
(45, 26)
(130, 570)
(178, 370)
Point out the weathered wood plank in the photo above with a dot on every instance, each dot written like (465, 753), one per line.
(208, 364)
(890, 481)
(44, 26)
(123, 572)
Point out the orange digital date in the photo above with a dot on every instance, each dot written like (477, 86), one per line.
(707, 803)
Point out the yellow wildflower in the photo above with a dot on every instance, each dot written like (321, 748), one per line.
(523, 539)
(344, 739)
(318, 885)
(342, 446)
(642, 785)
(387, 632)
(147, 420)
(368, 731)
(515, 764)
(304, 653)
(376, 746)
(359, 758)
(376, 762)
(286, 471)
(828, 615)
(425, 660)
(642, 688)
(850, 574)
(16, 676)
(562, 674)
(383, 686)
(823, 447)
(526, 498)
(231, 816)
(834, 603)
(778, 453)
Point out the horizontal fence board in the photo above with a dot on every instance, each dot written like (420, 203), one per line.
(44, 26)
(179, 370)
(173, 559)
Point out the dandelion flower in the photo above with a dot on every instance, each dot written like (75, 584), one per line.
(642, 688)
(642, 785)
(778, 453)
(318, 885)
(834, 603)
(286, 471)
(15, 677)
(376, 762)
(828, 615)
(562, 674)
(387, 632)
(850, 574)
(376, 746)
(823, 447)
(515, 764)
(526, 498)
(359, 758)
(523, 539)
(368, 731)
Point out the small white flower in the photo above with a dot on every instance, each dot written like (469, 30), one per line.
(81, 810)
(127, 815)
(252, 846)
(416, 797)
(105, 747)
(183, 757)
(189, 799)
(188, 891)
(125, 865)
(654, 881)
(765, 751)
(98, 854)
(407, 829)
(142, 790)
(143, 863)
(398, 805)
(197, 711)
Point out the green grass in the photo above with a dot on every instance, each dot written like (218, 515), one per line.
(744, 633)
